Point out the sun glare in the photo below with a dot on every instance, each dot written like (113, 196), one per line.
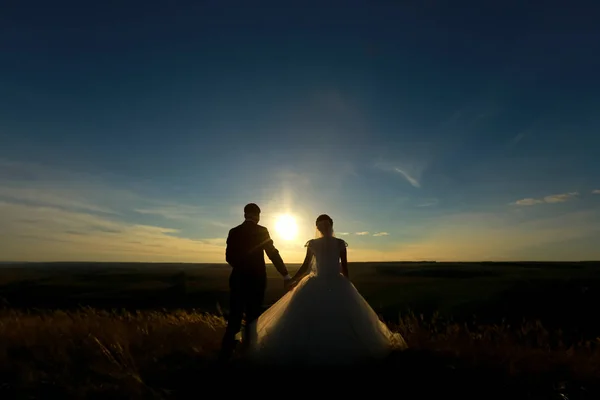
(286, 227)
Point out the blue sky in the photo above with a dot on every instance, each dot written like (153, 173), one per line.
(427, 130)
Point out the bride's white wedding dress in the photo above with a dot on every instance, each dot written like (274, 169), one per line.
(323, 320)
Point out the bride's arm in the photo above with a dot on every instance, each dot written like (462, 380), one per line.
(344, 259)
(305, 265)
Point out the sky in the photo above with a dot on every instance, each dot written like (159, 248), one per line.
(428, 130)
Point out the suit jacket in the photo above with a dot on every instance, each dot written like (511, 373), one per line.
(246, 245)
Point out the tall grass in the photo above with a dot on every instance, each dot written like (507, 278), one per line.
(154, 354)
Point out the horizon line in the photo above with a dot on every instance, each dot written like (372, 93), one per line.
(299, 263)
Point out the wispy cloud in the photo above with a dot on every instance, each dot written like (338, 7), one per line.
(497, 236)
(34, 233)
(46, 186)
(173, 211)
(55, 216)
(528, 202)
(597, 191)
(412, 177)
(560, 198)
(220, 224)
(514, 141)
(219, 242)
(52, 214)
(428, 203)
(555, 198)
(57, 197)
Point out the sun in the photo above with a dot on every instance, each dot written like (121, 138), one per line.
(286, 227)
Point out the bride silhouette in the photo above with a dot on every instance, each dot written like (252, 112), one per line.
(323, 319)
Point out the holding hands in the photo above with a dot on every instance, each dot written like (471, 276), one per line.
(287, 281)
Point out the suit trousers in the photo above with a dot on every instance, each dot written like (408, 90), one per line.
(247, 293)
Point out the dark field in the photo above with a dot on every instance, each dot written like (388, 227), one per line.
(561, 295)
(152, 330)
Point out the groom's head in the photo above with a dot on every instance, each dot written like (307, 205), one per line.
(252, 212)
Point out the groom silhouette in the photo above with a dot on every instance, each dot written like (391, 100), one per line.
(246, 245)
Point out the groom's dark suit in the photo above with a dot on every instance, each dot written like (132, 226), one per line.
(246, 245)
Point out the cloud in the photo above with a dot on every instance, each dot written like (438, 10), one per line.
(495, 236)
(34, 233)
(555, 198)
(412, 177)
(46, 186)
(409, 178)
(57, 197)
(528, 202)
(596, 191)
(220, 224)
(219, 242)
(560, 198)
(428, 203)
(173, 211)
(343, 233)
(381, 234)
(52, 214)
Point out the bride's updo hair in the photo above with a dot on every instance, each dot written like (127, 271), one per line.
(325, 225)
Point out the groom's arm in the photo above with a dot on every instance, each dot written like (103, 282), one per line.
(230, 252)
(273, 254)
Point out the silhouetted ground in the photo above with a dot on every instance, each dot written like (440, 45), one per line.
(534, 333)
(93, 354)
